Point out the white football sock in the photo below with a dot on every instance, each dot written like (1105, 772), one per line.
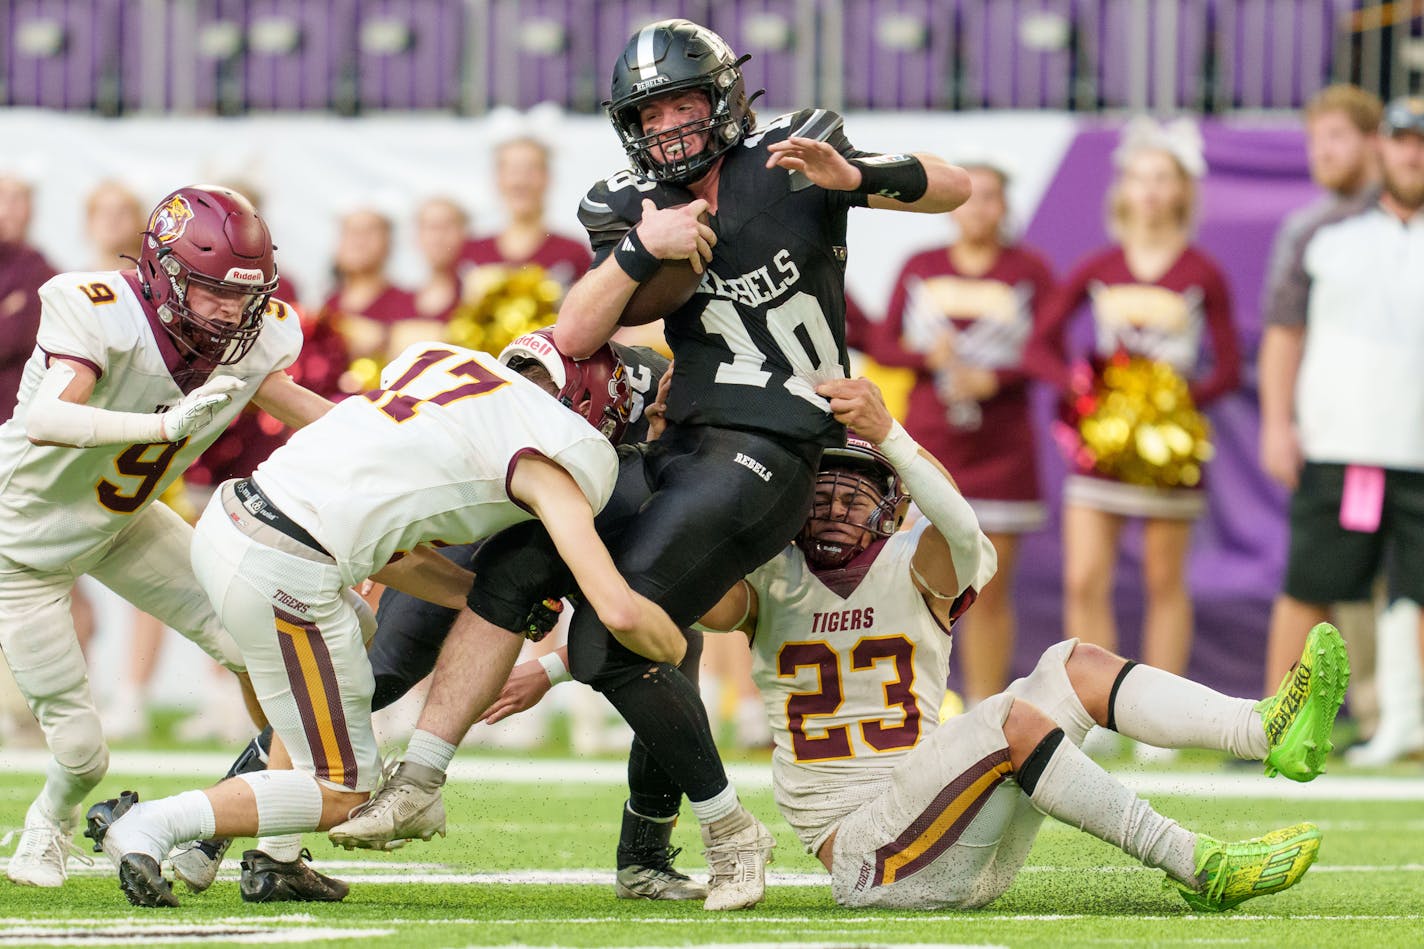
(1168, 711)
(429, 750)
(1076, 791)
(288, 802)
(284, 848)
(716, 808)
(153, 827)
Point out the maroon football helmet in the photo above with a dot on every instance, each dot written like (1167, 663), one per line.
(860, 481)
(601, 379)
(212, 237)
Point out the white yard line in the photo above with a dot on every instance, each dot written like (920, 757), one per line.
(372, 871)
(209, 765)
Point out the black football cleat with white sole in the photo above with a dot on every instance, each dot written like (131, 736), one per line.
(140, 876)
(265, 880)
(101, 817)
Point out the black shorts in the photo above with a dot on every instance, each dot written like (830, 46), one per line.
(1329, 564)
(693, 513)
(409, 634)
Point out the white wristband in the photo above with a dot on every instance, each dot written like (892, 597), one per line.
(554, 668)
(898, 447)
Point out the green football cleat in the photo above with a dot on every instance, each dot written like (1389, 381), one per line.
(1299, 717)
(1231, 874)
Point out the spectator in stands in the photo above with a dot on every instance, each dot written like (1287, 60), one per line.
(1155, 295)
(113, 221)
(365, 306)
(22, 270)
(961, 317)
(441, 231)
(521, 179)
(1345, 385)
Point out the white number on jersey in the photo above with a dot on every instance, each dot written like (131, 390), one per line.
(812, 352)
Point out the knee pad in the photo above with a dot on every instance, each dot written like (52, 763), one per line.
(77, 743)
(288, 802)
(1049, 688)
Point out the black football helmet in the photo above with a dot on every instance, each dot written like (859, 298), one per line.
(863, 470)
(675, 56)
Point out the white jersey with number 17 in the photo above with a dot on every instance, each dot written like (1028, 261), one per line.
(428, 457)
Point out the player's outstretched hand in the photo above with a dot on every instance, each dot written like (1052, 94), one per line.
(677, 233)
(818, 161)
(858, 405)
(656, 411)
(197, 409)
(528, 682)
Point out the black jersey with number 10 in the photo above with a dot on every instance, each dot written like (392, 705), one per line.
(767, 323)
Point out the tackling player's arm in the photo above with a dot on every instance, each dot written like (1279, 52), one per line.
(556, 499)
(735, 612)
(953, 554)
(59, 414)
(289, 402)
(929, 184)
(424, 573)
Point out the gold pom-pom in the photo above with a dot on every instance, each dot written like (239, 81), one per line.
(503, 303)
(1141, 426)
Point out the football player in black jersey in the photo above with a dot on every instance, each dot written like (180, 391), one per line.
(730, 482)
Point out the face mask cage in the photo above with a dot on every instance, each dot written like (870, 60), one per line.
(723, 128)
(206, 337)
(880, 505)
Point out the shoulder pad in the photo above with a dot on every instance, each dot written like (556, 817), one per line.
(616, 203)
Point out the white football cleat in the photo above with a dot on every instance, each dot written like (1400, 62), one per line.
(737, 859)
(42, 854)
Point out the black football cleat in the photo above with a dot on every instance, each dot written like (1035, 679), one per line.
(142, 881)
(102, 816)
(265, 880)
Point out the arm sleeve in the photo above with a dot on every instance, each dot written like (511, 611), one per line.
(1225, 373)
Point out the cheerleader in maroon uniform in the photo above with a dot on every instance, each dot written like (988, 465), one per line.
(961, 317)
(441, 231)
(522, 182)
(365, 306)
(1153, 295)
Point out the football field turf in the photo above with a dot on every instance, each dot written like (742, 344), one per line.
(529, 862)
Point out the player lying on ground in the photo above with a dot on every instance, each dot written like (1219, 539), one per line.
(453, 447)
(848, 633)
(117, 400)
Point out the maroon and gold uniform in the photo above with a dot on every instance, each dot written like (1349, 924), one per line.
(989, 445)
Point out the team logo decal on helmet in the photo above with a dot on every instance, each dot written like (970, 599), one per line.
(858, 498)
(170, 220)
(213, 238)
